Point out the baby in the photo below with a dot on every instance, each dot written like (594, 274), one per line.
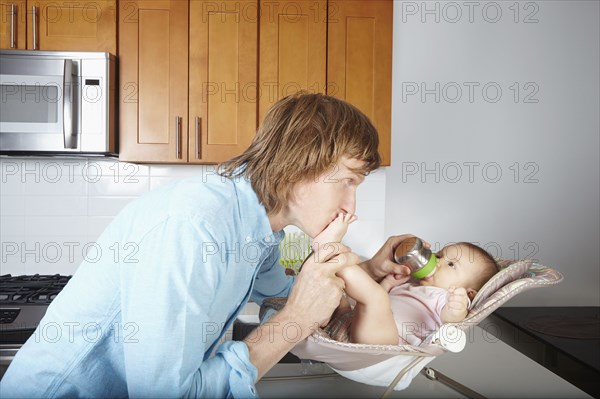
(391, 312)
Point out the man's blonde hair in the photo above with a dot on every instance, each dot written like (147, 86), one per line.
(301, 137)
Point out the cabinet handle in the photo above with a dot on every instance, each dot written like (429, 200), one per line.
(177, 137)
(33, 27)
(198, 145)
(12, 25)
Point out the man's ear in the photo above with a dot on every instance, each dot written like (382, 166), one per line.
(471, 293)
(298, 191)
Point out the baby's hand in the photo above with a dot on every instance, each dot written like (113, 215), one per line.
(458, 301)
(392, 280)
(455, 309)
(334, 232)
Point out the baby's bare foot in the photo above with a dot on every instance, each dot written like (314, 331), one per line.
(335, 231)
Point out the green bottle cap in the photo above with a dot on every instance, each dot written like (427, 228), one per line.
(427, 269)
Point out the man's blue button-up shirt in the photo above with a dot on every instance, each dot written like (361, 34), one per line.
(143, 314)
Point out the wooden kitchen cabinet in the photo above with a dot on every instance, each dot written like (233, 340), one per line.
(59, 25)
(75, 25)
(243, 56)
(223, 67)
(222, 61)
(342, 48)
(359, 61)
(153, 81)
(293, 49)
(13, 24)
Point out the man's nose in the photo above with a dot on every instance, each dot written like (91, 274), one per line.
(349, 205)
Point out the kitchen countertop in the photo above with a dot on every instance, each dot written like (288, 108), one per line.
(487, 365)
(565, 340)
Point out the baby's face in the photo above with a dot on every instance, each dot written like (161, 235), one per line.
(456, 267)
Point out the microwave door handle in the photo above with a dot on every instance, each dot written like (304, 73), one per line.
(68, 84)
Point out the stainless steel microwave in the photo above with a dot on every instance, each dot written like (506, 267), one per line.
(57, 102)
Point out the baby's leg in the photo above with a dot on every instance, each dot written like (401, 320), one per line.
(373, 321)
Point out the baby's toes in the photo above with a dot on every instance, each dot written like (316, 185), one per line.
(348, 218)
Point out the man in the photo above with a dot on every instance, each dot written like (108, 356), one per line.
(148, 324)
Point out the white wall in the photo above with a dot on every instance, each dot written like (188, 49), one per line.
(516, 172)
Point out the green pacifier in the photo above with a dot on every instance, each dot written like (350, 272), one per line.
(412, 253)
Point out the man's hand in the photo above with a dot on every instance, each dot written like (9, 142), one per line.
(318, 291)
(313, 299)
(383, 262)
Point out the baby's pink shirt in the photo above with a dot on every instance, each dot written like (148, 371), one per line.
(417, 311)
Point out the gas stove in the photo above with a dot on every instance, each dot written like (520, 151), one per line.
(23, 303)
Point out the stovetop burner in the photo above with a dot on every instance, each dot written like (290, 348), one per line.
(24, 301)
(32, 289)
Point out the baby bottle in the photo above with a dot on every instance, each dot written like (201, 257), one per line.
(412, 253)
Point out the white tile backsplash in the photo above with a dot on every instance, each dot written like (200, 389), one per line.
(12, 225)
(107, 206)
(55, 205)
(156, 182)
(370, 210)
(365, 237)
(181, 170)
(65, 186)
(56, 225)
(373, 188)
(12, 205)
(97, 224)
(119, 171)
(53, 209)
(10, 183)
(120, 186)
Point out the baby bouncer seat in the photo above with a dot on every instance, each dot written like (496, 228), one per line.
(394, 366)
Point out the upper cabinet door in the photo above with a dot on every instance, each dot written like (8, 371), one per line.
(13, 24)
(223, 78)
(72, 25)
(359, 57)
(293, 46)
(153, 58)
